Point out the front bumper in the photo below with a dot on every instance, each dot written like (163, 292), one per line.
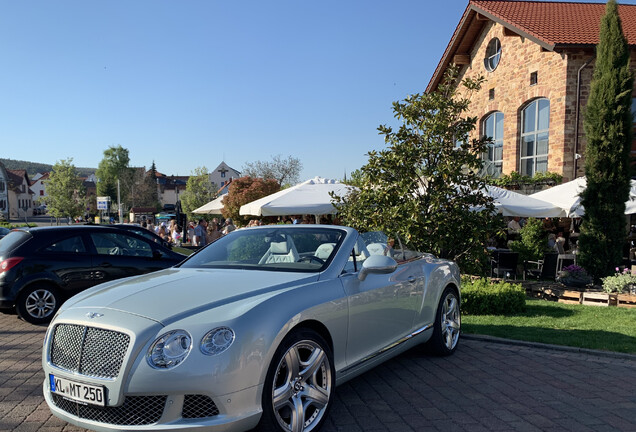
(171, 412)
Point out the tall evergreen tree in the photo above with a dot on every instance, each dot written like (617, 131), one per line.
(608, 129)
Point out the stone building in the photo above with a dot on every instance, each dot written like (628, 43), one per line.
(538, 59)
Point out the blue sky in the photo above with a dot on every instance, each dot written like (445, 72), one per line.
(191, 83)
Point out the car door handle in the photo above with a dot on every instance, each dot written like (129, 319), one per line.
(105, 264)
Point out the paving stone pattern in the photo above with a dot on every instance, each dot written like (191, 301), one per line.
(485, 386)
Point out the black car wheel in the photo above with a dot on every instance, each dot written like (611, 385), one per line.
(300, 384)
(38, 303)
(447, 325)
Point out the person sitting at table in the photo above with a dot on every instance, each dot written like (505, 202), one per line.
(513, 228)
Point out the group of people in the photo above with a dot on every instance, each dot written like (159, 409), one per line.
(205, 232)
(560, 236)
(202, 232)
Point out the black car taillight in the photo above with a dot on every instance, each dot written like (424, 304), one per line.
(9, 263)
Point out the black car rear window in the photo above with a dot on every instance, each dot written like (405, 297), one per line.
(13, 240)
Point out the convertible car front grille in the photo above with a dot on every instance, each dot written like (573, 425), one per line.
(135, 411)
(88, 351)
(198, 406)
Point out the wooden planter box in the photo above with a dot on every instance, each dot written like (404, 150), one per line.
(599, 299)
(626, 300)
(570, 297)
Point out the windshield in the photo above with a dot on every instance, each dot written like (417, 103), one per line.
(278, 248)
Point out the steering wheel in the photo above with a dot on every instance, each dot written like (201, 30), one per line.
(311, 258)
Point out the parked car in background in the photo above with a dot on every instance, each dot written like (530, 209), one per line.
(41, 267)
(39, 210)
(4, 231)
(257, 328)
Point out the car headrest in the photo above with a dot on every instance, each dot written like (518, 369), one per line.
(279, 247)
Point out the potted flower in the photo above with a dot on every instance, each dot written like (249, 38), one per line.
(574, 276)
(621, 282)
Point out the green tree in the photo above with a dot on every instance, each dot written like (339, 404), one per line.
(199, 191)
(244, 190)
(286, 172)
(355, 179)
(113, 167)
(608, 128)
(425, 187)
(65, 195)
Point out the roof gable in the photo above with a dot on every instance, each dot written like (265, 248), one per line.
(552, 25)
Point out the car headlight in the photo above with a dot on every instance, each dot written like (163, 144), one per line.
(216, 341)
(169, 349)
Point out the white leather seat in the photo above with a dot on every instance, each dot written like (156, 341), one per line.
(280, 252)
(376, 248)
(324, 250)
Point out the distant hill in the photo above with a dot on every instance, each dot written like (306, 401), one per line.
(33, 168)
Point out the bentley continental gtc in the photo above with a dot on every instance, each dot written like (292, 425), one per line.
(255, 330)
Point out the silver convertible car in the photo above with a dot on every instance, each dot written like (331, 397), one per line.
(255, 330)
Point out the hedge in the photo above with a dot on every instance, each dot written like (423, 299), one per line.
(483, 297)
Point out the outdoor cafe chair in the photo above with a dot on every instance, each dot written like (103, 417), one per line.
(504, 264)
(543, 269)
(562, 256)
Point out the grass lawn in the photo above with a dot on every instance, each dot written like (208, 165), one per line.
(594, 327)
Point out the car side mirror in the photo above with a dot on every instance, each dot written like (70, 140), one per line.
(378, 264)
(156, 255)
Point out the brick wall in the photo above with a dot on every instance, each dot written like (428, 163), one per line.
(556, 81)
(511, 83)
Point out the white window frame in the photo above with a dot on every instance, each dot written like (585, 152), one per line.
(497, 141)
(535, 133)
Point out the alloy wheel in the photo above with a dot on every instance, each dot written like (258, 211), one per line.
(302, 387)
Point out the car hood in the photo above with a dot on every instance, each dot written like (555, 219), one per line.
(168, 295)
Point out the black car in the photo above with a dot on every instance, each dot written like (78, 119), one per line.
(41, 267)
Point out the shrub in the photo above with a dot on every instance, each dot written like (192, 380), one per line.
(483, 297)
(533, 243)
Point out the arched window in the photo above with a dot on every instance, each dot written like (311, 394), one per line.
(493, 127)
(535, 125)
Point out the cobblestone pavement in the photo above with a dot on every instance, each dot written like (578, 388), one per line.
(485, 386)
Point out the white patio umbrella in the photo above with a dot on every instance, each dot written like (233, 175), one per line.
(510, 203)
(309, 197)
(567, 197)
(213, 207)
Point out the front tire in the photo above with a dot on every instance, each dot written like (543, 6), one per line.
(37, 304)
(300, 384)
(447, 327)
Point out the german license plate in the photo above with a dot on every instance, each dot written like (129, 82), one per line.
(77, 391)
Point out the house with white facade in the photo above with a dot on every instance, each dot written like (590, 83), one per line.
(222, 174)
(20, 195)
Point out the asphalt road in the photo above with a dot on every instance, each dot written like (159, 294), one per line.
(484, 386)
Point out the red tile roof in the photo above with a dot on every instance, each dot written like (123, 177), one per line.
(552, 25)
(558, 23)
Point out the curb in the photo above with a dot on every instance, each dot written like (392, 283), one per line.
(493, 339)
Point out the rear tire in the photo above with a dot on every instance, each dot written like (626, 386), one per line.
(38, 303)
(300, 384)
(447, 327)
